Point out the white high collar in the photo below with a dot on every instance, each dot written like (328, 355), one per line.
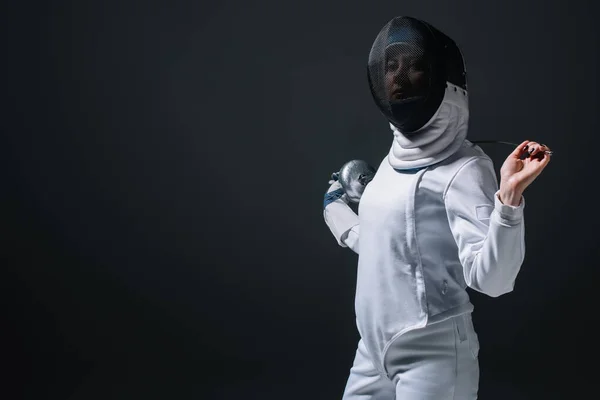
(438, 139)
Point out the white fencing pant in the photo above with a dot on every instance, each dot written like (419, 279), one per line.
(438, 362)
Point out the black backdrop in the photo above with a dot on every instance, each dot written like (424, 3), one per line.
(166, 161)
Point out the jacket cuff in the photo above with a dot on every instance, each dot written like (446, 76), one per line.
(507, 213)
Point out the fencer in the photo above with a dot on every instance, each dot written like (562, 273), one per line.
(432, 221)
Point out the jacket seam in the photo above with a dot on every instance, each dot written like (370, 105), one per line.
(451, 181)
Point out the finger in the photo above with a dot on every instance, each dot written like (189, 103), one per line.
(535, 165)
(334, 186)
(544, 160)
(520, 150)
(542, 151)
(546, 149)
(534, 148)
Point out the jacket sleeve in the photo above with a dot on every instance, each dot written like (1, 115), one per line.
(343, 224)
(490, 235)
(351, 238)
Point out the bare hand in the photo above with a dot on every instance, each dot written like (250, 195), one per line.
(517, 174)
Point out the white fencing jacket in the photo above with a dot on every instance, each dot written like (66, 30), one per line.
(429, 224)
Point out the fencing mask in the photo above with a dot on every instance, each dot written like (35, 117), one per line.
(409, 65)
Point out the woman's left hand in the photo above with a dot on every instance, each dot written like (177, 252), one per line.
(517, 174)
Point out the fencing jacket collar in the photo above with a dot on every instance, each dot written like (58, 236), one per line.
(441, 137)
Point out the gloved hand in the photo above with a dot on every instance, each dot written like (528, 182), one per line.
(335, 191)
(339, 216)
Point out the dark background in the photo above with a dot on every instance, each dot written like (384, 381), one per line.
(162, 212)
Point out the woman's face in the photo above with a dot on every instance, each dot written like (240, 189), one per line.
(406, 72)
